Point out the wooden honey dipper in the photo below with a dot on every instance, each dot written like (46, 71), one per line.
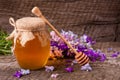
(80, 57)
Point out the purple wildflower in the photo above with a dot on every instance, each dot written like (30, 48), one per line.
(95, 56)
(81, 48)
(103, 57)
(21, 72)
(115, 54)
(54, 75)
(110, 49)
(83, 39)
(54, 43)
(18, 74)
(25, 72)
(63, 46)
(86, 67)
(118, 52)
(88, 39)
(49, 68)
(69, 69)
(54, 36)
(81, 44)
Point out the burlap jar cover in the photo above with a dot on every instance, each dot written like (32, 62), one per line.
(25, 29)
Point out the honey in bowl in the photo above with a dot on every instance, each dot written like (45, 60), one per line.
(31, 42)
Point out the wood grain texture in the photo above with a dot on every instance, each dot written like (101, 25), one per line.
(108, 70)
(79, 16)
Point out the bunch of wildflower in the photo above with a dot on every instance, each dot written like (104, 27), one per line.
(81, 44)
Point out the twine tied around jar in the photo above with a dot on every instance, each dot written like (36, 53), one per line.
(28, 28)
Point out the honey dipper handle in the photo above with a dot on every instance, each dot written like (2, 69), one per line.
(38, 13)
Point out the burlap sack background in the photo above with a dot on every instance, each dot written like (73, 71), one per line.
(97, 18)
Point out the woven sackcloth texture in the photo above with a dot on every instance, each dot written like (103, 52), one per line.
(28, 28)
(97, 18)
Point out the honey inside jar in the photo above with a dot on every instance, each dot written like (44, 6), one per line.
(33, 55)
(31, 42)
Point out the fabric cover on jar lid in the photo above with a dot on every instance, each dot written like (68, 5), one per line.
(27, 28)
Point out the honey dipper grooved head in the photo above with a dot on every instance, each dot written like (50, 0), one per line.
(82, 58)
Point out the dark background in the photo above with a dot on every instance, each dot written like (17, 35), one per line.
(99, 19)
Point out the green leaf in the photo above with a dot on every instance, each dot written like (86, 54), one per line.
(5, 46)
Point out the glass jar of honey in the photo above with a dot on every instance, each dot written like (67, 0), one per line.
(31, 42)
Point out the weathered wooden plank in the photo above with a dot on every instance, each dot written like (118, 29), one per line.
(108, 70)
(73, 15)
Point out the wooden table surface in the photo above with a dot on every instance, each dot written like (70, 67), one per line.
(108, 70)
